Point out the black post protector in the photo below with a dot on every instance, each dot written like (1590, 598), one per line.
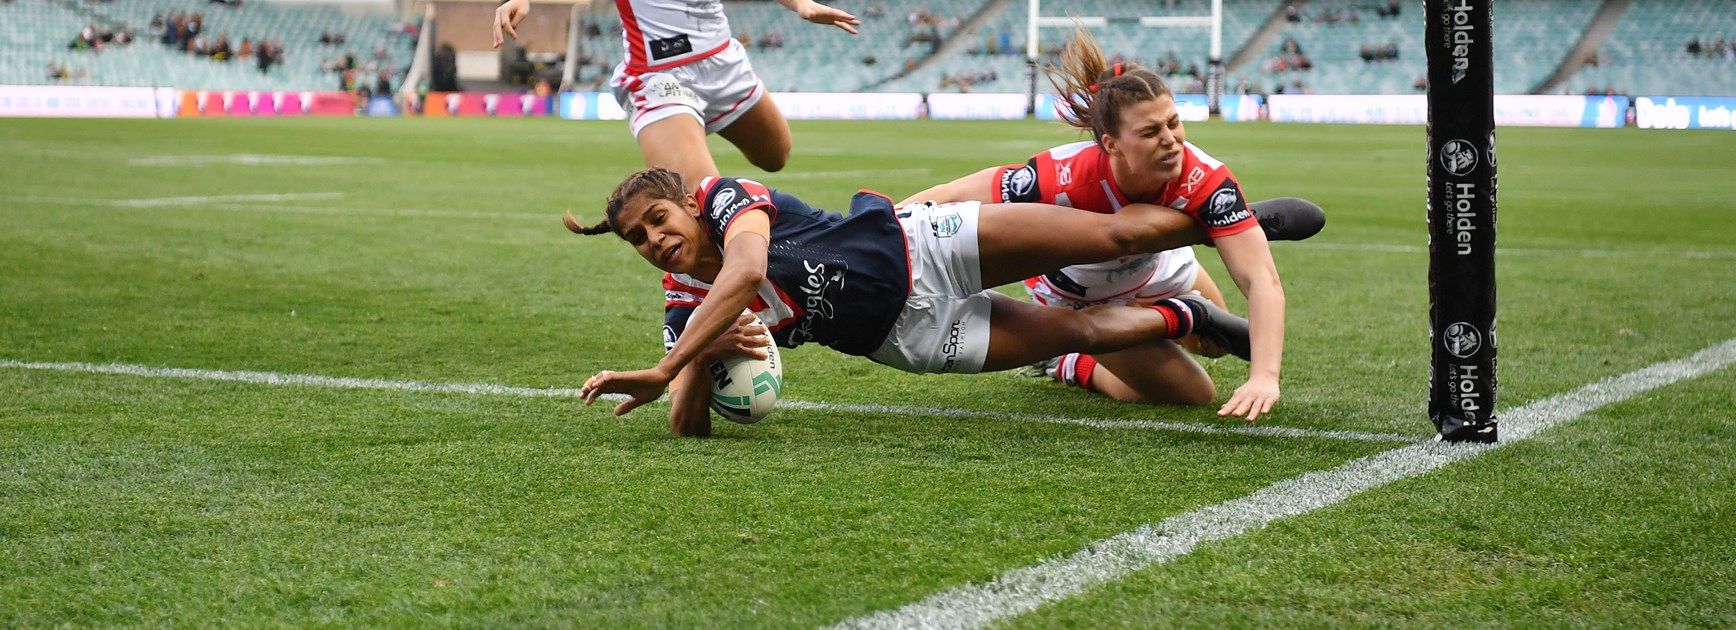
(1461, 143)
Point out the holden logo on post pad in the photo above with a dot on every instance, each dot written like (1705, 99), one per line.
(1459, 157)
(1462, 340)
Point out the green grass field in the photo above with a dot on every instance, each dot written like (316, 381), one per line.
(432, 251)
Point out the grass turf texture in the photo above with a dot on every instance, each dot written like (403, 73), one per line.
(127, 500)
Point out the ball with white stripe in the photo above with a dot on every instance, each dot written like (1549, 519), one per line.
(744, 389)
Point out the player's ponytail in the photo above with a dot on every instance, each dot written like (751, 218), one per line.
(658, 182)
(1092, 90)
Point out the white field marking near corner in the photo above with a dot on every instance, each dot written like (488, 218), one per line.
(1022, 590)
(274, 378)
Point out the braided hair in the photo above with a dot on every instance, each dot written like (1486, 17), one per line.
(1092, 91)
(659, 182)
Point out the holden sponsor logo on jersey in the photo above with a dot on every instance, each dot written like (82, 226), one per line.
(1459, 157)
(946, 224)
(953, 346)
(1462, 340)
(1225, 208)
(1459, 33)
(1194, 178)
(815, 294)
(1017, 184)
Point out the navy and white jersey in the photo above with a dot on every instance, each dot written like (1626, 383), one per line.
(834, 280)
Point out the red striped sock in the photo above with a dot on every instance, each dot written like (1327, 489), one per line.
(1075, 369)
(1177, 316)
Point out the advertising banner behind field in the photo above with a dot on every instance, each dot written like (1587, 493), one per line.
(976, 106)
(1521, 110)
(866, 106)
(1684, 112)
(437, 104)
(257, 103)
(1191, 107)
(590, 106)
(57, 101)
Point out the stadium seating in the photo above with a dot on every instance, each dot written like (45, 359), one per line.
(1531, 38)
(35, 33)
(1123, 37)
(1643, 55)
(1646, 53)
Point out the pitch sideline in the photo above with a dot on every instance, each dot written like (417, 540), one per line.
(1022, 590)
(275, 378)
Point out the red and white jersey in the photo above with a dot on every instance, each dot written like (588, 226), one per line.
(1077, 175)
(661, 34)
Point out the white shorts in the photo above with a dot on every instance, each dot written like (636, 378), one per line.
(945, 324)
(1173, 275)
(715, 90)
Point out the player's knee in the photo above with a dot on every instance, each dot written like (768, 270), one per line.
(771, 160)
(1194, 394)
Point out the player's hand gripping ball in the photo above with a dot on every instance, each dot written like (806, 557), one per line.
(744, 389)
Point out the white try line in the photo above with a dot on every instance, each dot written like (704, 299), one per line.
(274, 378)
(1023, 590)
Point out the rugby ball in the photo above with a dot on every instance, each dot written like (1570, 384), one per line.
(744, 389)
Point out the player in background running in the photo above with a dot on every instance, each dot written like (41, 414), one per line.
(1139, 154)
(685, 76)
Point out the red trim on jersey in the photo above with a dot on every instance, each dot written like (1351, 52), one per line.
(796, 310)
(630, 32)
(638, 111)
(732, 108)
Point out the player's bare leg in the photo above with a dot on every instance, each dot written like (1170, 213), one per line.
(1021, 333)
(762, 134)
(677, 143)
(1160, 372)
(1019, 240)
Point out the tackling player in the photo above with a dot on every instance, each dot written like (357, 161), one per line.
(1139, 154)
(685, 77)
(904, 287)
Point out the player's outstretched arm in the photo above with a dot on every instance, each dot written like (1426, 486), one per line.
(978, 186)
(744, 268)
(507, 18)
(822, 14)
(689, 410)
(1249, 261)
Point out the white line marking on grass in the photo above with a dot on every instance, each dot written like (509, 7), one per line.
(252, 159)
(1514, 251)
(773, 178)
(183, 201)
(274, 378)
(549, 217)
(1023, 590)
